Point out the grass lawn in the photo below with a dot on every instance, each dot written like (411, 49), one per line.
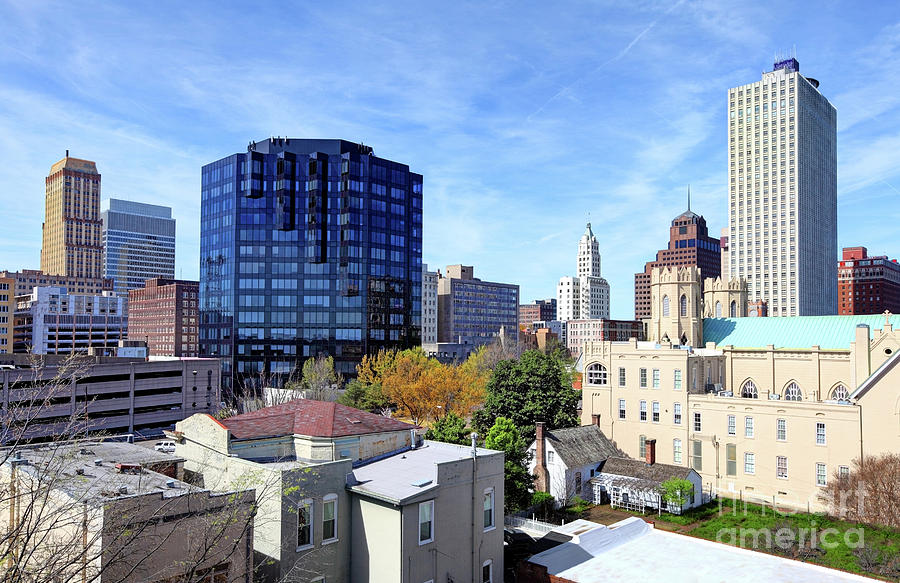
(882, 559)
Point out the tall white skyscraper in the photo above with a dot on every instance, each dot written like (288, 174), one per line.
(586, 296)
(782, 197)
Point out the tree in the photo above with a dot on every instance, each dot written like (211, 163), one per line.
(536, 387)
(318, 379)
(676, 492)
(365, 397)
(869, 493)
(450, 429)
(517, 481)
(405, 382)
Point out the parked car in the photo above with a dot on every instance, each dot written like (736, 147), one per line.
(165, 446)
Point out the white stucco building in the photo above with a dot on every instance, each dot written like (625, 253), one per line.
(429, 306)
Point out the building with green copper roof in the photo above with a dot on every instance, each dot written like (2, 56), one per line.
(827, 332)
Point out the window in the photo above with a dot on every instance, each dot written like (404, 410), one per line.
(304, 524)
(426, 522)
(488, 509)
(621, 376)
(821, 475)
(329, 518)
(487, 572)
(682, 309)
(781, 429)
(840, 393)
(748, 391)
(642, 446)
(697, 424)
(676, 409)
(621, 408)
(655, 378)
(677, 379)
(781, 470)
(655, 411)
(749, 463)
(820, 434)
(643, 410)
(665, 305)
(793, 393)
(643, 378)
(748, 426)
(550, 457)
(718, 309)
(676, 451)
(732, 429)
(596, 374)
(733, 310)
(697, 458)
(844, 472)
(730, 459)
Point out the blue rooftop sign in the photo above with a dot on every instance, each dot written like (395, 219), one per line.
(791, 65)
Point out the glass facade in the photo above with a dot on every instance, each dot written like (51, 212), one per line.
(307, 247)
(138, 243)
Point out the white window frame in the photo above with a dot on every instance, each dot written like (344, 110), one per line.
(732, 425)
(781, 430)
(698, 422)
(823, 475)
(844, 472)
(749, 427)
(597, 375)
(429, 503)
(622, 409)
(490, 565)
(676, 451)
(654, 411)
(309, 504)
(778, 464)
(824, 441)
(330, 498)
(622, 377)
(749, 463)
(677, 380)
(642, 412)
(489, 492)
(676, 414)
(642, 378)
(655, 375)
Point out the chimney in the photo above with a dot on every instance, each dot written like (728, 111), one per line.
(650, 451)
(542, 475)
(595, 419)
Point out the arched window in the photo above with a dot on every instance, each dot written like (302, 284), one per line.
(718, 309)
(732, 311)
(683, 307)
(840, 393)
(793, 393)
(596, 374)
(665, 305)
(748, 391)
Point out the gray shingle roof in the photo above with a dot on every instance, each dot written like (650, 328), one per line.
(657, 473)
(581, 446)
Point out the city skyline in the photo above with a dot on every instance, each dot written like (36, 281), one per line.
(598, 123)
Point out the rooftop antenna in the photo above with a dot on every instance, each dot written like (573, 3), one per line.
(689, 197)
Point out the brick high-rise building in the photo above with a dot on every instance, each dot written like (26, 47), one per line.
(537, 311)
(867, 285)
(164, 314)
(72, 243)
(689, 244)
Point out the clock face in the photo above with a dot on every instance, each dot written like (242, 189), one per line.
(754, 313)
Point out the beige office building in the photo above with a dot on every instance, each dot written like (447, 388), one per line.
(72, 239)
(764, 408)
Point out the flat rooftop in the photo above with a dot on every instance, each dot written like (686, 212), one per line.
(632, 550)
(409, 473)
(87, 471)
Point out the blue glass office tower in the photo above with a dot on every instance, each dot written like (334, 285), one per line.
(307, 247)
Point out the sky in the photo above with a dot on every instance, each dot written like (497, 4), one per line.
(527, 119)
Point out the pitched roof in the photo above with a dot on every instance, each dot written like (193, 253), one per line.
(657, 473)
(313, 418)
(830, 332)
(581, 446)
(876, 376)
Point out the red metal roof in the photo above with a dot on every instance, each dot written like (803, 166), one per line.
(313, 418)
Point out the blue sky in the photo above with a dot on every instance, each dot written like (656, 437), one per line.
(524, 118)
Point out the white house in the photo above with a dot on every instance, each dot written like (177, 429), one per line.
(636, 484)
(564, 460)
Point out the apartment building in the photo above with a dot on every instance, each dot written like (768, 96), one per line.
(580, 331)
(759, 407)
(867, 285)
(429, 305)
(136, 522)
(164, 314)
(7, 313)
(346, 495)
(472, 311)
